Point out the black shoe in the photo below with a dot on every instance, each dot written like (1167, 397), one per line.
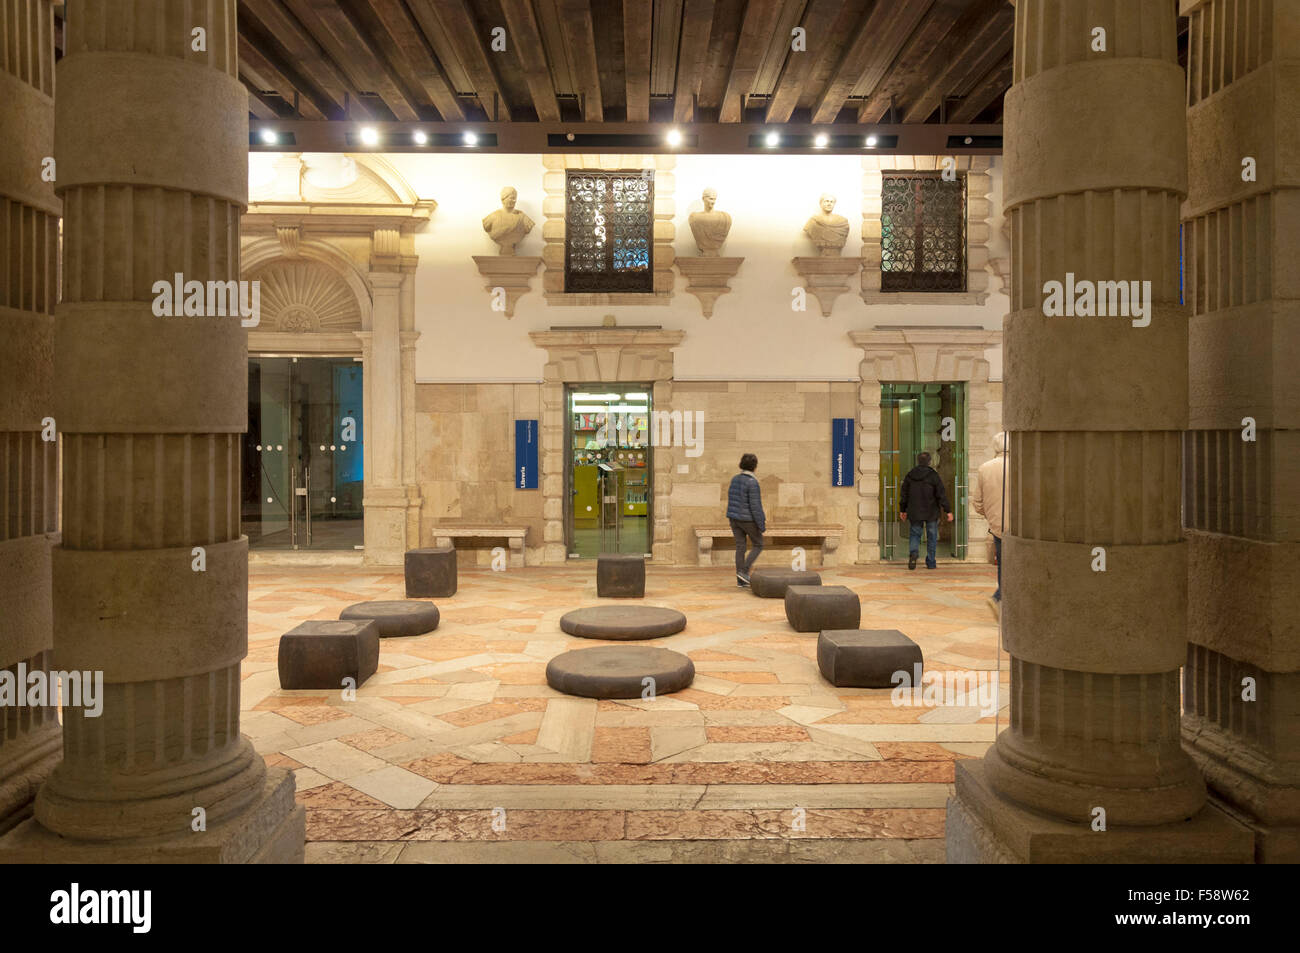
(742, 580)
(911, 562)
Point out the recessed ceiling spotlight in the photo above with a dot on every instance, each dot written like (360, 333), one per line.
(820, 140)
(470, 139)
(674, 137)
(269, 137)
(772, 140)
(420, 138)
(570, 136)
(370, 135)
(871, 142)
(969, 140)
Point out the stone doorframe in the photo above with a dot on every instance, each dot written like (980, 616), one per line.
(921, 355)
(609, 356)
(370, 246)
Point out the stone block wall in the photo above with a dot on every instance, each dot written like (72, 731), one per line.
(465, 454)
(787, 425)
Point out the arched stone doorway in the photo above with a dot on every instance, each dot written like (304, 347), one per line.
(330, 239)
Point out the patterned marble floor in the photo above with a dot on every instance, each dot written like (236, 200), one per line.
(456, 750)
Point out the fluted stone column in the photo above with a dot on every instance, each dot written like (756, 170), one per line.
(385, 495)
(1091, 767)
(30, 739)
(1242, 249)
(151, 138)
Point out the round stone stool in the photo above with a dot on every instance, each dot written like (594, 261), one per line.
(620, 671)
(622, 623)
(397, 618)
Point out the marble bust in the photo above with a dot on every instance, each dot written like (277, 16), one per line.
(507, 226)
(827, 230)
(711, 226)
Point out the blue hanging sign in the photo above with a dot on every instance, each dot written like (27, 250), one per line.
(526, 455)
(842, 451)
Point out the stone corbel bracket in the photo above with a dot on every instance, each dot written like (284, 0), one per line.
(511, 273)
(827, 278)
(707, 277)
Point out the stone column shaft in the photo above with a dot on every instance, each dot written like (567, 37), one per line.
(1092, 764)
(152, 141)
(30, 738)
(1242, 245)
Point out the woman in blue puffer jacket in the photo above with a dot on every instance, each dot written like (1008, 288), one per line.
(745, 511)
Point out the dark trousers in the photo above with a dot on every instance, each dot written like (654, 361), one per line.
(745, 530)
(931, 528)
(997, 553)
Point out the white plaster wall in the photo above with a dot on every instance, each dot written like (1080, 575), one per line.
(753, 334)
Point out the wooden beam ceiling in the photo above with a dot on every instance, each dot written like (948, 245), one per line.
(818, 19)
(697, 25)
(630, 61)
(575, 17)
(754, 40)
(454, 19)
(637, 24)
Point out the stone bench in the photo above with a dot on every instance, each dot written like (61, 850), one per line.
(395, 618)
(620, 575)
(446, 534)
(431, 572)
(867, 658)
(815, 608)
(321, 653)
(825, 535)
(620, 671)
(772, 583)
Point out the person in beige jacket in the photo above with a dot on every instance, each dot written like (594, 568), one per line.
(988, 500)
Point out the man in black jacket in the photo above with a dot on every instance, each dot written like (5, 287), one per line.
(924, 498)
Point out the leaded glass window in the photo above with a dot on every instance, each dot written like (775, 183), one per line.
(922, 232)
(609, 232)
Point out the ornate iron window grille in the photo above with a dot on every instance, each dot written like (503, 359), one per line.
(923, 232)
(609, 231)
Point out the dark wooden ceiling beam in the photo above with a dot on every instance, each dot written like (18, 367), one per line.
(755, 35)
(817, 21)
(882, 34)
(697, 24)
(580, 36)
(257, 106)
(416, 62)
(331, 24)
(638, 25)
(310, 59)
(257, 64)
(908, 65)
(979, 32)
(526, 41)
(455, 21)
(954, 76)
(985, 92)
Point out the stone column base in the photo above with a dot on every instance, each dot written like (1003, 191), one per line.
(386, 510)
(1249, 787)
(985, 828)
(25, 772)
(272, 831)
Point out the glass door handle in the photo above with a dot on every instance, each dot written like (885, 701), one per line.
(306, 499)
(293, 507)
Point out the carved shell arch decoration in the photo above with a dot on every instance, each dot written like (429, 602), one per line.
(306, 297)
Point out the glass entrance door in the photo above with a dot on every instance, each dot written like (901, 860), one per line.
(918, 417)
(609, 470)
(303, 454)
